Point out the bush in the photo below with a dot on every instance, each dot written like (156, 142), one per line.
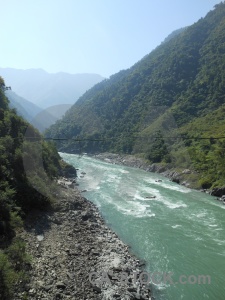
(15, 220)
(205, 182)
(13, 264)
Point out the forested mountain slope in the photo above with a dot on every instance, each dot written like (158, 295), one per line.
(38, 117)
(24, 108)
(161, 107)
(27, 168)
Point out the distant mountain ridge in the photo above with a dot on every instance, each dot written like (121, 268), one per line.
(43, 98)
(175, 91)
(24, 108)
(38, 117)
(45, 89)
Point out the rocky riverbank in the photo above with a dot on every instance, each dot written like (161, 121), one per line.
(184, 177)
(178, 176)
(67, 243)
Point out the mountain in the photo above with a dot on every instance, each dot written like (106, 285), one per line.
(46, 117)
(38, 117)
(168, 108)
(24, 108)
(173, 34)
(45, 89)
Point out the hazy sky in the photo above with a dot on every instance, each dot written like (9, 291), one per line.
(89, 36)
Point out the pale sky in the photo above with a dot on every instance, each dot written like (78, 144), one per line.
(89, 36)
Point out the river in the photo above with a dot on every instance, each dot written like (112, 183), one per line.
(179, 233)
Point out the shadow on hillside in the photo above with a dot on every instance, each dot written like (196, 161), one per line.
(38, 221)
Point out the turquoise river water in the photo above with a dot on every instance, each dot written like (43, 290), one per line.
(180, 231)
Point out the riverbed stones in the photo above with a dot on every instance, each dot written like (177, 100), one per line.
(76, 242)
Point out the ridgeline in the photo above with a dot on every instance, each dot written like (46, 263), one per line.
(167, 109)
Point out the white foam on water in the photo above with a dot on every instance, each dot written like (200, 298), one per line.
(112, 176)
(150, 215)
(151, 180)
(210, 221)
(167, 185)
(176, 226)
(201, 214)
(137, 196)
(219, 242)
(198, 238)
(174, 205)
(178, 188)
(114, 179)
(136, 214)
(92, 183)
(197, 216)
(124, 171)
(130, 207)
(137, 206)
(169, 204)
(160, 286)
(93, 188)
(129, 192)
(151, 192)
(147, 199)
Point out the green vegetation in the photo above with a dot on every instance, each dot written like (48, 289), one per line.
(14, 263)
(28, 165)
(177, 91)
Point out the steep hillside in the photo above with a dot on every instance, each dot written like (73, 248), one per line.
(27, 168)
(38, 117)
(45, 89)
(154, 109)
(25, 108)
(46, 117)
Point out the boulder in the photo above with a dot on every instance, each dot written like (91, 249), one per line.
(218, 192)
(176, 179)
(186, 171)
(69, 172)
(97, 289)
(86, 215)
(60, 285)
